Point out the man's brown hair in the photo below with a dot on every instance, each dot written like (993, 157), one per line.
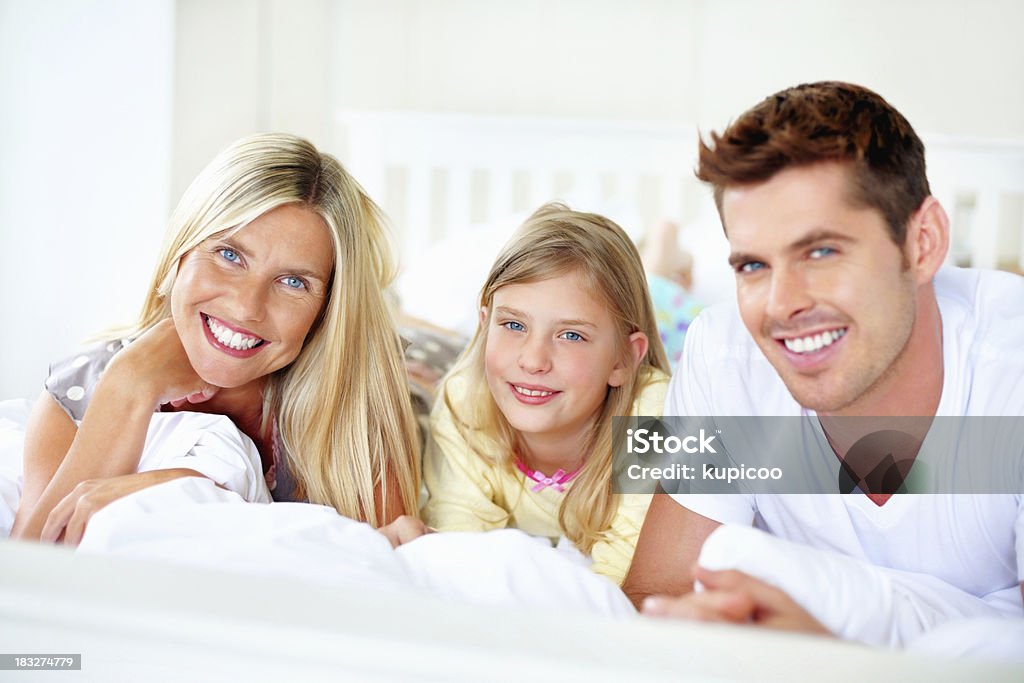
(826, 121)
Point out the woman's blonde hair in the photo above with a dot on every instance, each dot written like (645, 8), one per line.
(552, 242)
(342, 407)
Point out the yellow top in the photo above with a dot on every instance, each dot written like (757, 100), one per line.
(467, 493)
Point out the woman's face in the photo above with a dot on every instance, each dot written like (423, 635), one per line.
(244, 304)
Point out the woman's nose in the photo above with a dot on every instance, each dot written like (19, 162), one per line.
(250, 302)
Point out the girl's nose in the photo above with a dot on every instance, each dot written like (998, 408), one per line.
(534, 355)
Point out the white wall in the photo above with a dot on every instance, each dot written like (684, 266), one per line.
(85, 131)
(110, 107)
(952, 66)
(247, 66)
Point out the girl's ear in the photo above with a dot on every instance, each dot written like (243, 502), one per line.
(483, 316)
(637, 349)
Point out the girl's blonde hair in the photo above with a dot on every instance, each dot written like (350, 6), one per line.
(552, 242)
(342, 407)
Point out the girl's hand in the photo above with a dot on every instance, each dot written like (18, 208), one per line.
(68, 519)
(404, 529)
(156, 367)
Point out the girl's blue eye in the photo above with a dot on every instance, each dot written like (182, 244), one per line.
(572, 336)
(293, 282)
(230, 255)
(514, 326)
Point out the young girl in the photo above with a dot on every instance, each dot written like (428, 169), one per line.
(266, 306)
(521, 435)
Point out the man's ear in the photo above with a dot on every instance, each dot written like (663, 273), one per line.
(637, 343)
(927, 239)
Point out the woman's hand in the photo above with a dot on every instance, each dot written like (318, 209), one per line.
(155, 366)
(70, 517)
(404, 529)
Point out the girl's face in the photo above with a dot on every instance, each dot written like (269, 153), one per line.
(552, 351)
(244, 304)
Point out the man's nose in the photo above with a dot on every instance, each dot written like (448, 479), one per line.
(788, 295)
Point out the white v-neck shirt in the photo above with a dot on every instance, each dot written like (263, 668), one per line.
(972, 541)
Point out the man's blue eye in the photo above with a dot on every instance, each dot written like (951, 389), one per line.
(820, 252)
(230, 255)
(750, 267)
(293, 282)
(572, 336)
(514, 326)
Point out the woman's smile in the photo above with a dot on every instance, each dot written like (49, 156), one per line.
(231, 340)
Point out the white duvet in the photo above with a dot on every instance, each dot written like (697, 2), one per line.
(196, 522)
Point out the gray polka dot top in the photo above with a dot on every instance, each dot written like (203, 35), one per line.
(72, 381)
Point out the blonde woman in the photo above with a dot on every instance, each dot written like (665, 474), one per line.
(522, 433)
(266, 306)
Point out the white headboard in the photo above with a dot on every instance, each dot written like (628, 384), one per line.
(436, 174)
(981, 185)
(446, 181)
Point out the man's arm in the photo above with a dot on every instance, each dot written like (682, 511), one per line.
(667, 550)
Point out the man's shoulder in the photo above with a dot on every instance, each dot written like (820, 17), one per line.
(983, 332)
(723, 372)
(985, 309)
(987, 295)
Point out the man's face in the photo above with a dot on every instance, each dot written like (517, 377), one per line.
(821, 286)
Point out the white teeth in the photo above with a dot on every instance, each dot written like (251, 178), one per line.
(235, 340)
(531, 392)
(810, 344)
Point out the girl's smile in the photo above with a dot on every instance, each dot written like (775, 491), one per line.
(533, 395)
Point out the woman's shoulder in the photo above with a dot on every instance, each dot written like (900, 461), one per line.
(71, 379)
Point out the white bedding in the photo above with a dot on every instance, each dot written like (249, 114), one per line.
(193, 521)
(194, 524)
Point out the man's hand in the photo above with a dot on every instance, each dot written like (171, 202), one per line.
(735, 597)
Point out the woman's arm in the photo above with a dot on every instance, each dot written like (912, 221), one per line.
(48, 436)
(68, 520)
(394, 507)
(108, 443)
(149, 372)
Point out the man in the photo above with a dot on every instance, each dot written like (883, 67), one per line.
(843, 310)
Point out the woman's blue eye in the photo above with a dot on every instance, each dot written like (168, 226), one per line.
(293, 282)
(230, 255)
(572, 336)
(514, 326)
